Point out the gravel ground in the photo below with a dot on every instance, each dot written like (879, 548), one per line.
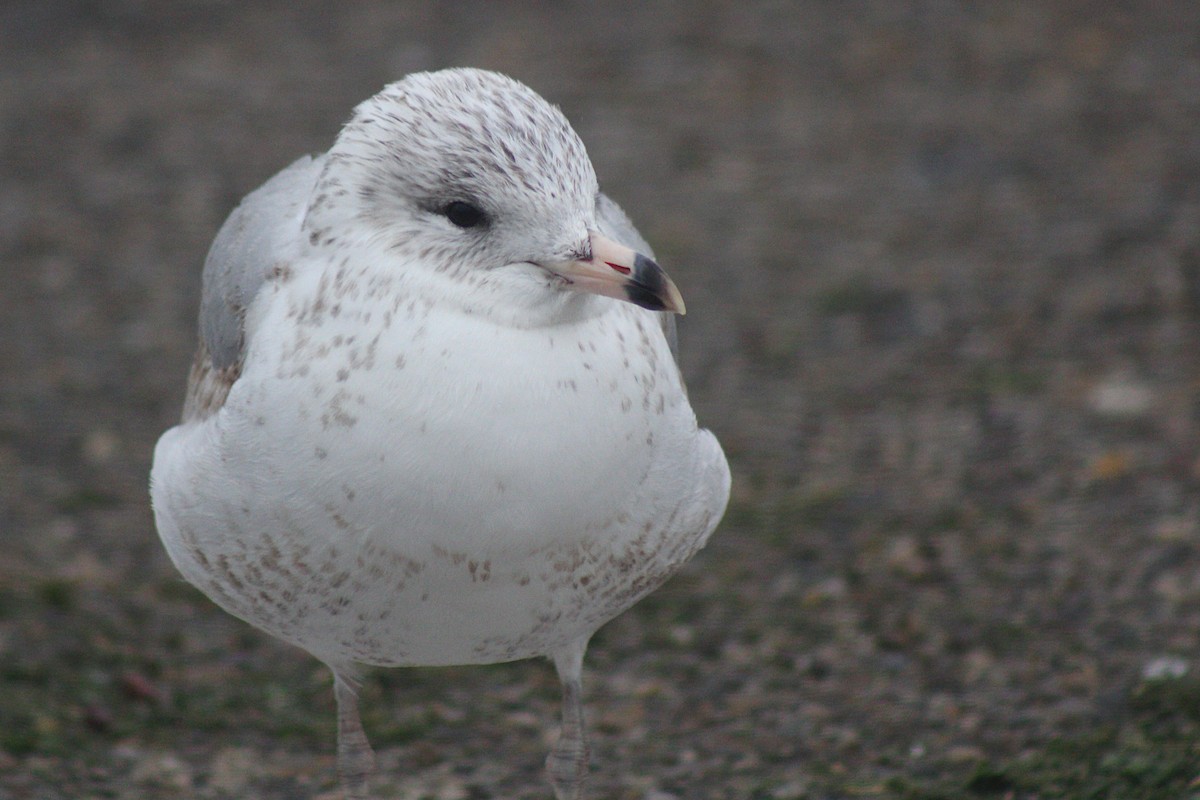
(942, 265)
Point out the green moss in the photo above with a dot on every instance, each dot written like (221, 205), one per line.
(1169, 707)
(813, 507)
(1151, 754)
(743, 515)
(86, 498)
(995, 379)
(857, 296)
(57, 594)
(1109, 763)
(9, 603)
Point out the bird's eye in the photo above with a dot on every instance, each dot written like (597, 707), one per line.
(464, 215)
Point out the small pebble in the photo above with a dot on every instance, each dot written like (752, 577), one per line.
(1164, 668)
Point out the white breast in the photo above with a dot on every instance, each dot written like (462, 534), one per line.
(358, 497)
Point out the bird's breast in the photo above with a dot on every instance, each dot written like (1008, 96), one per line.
(411, 485)
(442, 424)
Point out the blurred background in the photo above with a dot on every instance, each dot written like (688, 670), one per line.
(942, 266)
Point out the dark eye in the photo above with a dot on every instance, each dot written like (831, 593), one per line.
(464, 215)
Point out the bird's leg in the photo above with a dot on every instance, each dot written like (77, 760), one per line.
(567, 763)
(355, 759)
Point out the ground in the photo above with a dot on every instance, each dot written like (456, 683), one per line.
(942, 266)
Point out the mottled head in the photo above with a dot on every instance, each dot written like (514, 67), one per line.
(474, 175)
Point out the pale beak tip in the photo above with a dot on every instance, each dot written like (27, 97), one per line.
(676, 301)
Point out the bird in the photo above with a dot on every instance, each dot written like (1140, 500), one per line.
(435, 415)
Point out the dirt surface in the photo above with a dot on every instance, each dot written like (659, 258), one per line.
(942, 266)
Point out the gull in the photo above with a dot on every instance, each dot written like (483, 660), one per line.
(435, 416)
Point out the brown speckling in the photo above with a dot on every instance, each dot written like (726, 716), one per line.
(454, 558)
(336, 414)
(229, 574)
(208, 386)
(281, 272)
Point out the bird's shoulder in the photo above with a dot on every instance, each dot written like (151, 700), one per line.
(260, 235)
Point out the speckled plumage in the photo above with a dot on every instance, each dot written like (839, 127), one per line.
(409, 443)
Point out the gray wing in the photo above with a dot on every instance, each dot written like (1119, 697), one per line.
(261, 230)
(616, 225)
(259, 236)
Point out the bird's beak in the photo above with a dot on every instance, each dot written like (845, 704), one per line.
(615, 270)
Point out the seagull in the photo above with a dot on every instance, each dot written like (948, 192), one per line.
(435, 416)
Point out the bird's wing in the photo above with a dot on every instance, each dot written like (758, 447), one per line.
(616, 225)
(247, 248)
(255, 239)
